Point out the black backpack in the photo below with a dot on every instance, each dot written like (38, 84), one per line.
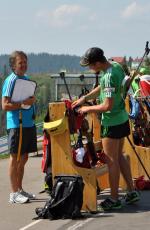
(66, 199)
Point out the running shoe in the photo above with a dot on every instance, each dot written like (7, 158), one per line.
(132, 197)
(18, 198)
(27, 194)
(110, 204)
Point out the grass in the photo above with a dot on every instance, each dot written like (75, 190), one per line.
(4, 156)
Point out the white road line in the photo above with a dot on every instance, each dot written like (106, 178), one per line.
(30, 225)
(80, 224)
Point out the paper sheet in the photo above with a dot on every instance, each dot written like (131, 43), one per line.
(23, 89)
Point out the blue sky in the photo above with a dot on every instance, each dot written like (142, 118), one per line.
(119, 27)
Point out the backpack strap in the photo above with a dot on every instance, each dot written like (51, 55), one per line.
(70, 188)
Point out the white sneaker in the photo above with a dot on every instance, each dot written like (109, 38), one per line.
(27, 194)
(18, 198)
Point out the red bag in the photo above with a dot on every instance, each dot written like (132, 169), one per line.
(142, 184)
(86, 161)
(102, 157)
(75, 119)
(46, 159)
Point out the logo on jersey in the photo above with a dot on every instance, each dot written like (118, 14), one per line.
(109, 89)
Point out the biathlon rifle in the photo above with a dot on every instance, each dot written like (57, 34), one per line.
(128, 84)
(89, 135)
(130, 80)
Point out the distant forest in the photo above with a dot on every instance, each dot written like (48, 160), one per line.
(45, 63)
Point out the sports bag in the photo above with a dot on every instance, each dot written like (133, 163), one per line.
(66, 199)
(134, 108)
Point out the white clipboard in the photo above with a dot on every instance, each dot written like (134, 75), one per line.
(23, 89)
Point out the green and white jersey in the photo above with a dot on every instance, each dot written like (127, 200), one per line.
(111, 86)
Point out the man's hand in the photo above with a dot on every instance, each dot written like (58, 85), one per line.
(84, 109)
(29, 101)
(78, 102)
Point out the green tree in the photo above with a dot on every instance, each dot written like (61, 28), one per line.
(147, 61)
(43, 94)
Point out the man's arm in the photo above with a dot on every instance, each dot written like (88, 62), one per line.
(7, 105)
(103, 107)
(93, 94)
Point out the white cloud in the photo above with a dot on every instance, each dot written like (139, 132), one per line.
(64, 10)
(135, 9)
(68, 15)
(93, 17)
(61, 16)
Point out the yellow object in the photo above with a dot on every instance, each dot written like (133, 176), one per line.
(56, 127)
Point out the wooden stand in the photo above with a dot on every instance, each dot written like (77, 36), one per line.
(103, 179)
(62, 162)
(143, 153)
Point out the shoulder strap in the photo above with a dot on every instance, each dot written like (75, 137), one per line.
(70, 188)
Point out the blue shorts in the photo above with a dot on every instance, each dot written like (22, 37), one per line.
(29, 140)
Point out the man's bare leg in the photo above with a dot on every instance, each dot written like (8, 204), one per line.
(111, 149)
(13, 172)
(20, 170)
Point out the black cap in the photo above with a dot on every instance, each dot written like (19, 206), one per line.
(91, 56)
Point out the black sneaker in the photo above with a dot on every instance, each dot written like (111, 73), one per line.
(132, 197)
(110, 204)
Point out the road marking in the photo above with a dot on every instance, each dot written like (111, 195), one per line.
(80, 224)
(30, 225)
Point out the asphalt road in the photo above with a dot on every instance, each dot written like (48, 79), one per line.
(20, 217)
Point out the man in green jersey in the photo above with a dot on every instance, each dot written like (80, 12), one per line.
(114, 122)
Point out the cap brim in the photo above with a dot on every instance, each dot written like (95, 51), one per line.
(84, 61)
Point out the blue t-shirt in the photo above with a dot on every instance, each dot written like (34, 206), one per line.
(12, 117)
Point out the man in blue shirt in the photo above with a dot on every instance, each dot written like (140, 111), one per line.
(20, 128)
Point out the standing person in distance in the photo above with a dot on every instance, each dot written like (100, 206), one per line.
(18, 64)
(114, 123)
